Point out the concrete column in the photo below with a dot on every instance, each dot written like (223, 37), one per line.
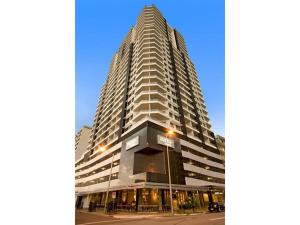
(160, 200)
(86, 201)
(137, 199)
(210, 198)
(202, 205)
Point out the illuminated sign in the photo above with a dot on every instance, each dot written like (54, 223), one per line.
(132, 143)
(165, 141)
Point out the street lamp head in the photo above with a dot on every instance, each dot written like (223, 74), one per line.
(170, 132)
(102, 148)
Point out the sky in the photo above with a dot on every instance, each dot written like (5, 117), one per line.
(100, 27)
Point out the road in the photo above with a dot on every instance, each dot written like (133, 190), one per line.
(201, 219)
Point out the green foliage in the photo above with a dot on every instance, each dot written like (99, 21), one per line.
(196, 203)
(191, 203)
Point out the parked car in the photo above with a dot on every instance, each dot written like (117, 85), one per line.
(216, 207)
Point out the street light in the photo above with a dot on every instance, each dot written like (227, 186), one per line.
(169, 133)
(101, 148)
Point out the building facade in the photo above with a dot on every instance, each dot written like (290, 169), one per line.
(220, 140)
(81, 141)
(151, 88)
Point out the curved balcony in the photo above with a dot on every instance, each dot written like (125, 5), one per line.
(150, 79)
(153, 104)
(150, 68)
(144, 95)
(146, 74)
(160, 116)
(154, 86)
(149, 44)
(147, 55)
(149, 61)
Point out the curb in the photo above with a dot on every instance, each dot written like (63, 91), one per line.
(141, 216)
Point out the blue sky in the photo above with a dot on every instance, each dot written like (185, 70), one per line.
(102, 25)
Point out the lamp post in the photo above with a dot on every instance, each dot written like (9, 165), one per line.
(169, 170)
(109, 179)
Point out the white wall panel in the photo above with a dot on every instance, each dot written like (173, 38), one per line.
(200, 159)
(197, 169)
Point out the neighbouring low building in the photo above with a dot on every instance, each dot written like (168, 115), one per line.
(81, 141)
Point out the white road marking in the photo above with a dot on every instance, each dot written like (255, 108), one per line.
(217, 218)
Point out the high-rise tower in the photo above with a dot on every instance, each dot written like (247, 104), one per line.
(152, 87)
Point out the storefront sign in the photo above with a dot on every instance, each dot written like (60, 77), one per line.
(132, 143)
(165, 141)
(134, 186)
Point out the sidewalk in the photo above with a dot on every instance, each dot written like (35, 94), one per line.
(139, 215)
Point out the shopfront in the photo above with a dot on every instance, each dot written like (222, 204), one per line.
(153, 200)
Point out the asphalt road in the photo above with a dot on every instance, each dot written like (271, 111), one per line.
(202, 219)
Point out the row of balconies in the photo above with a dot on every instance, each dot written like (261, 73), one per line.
(112, 86)
(147, 44)
(158, 26)
(149, 67)
(152, 21)
(107, 137)
(111, 117)
(151, 12)
(146, 77)
(147, 55)
(109, 109)
(141, 35)
(149, 61)
(155, 104)
(149, 50)
(108, 124)
(148, 36)
(155, 114)
(149, 79)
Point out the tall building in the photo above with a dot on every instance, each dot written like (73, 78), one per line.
(151, 88)
(81, 141)
(221, 146)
